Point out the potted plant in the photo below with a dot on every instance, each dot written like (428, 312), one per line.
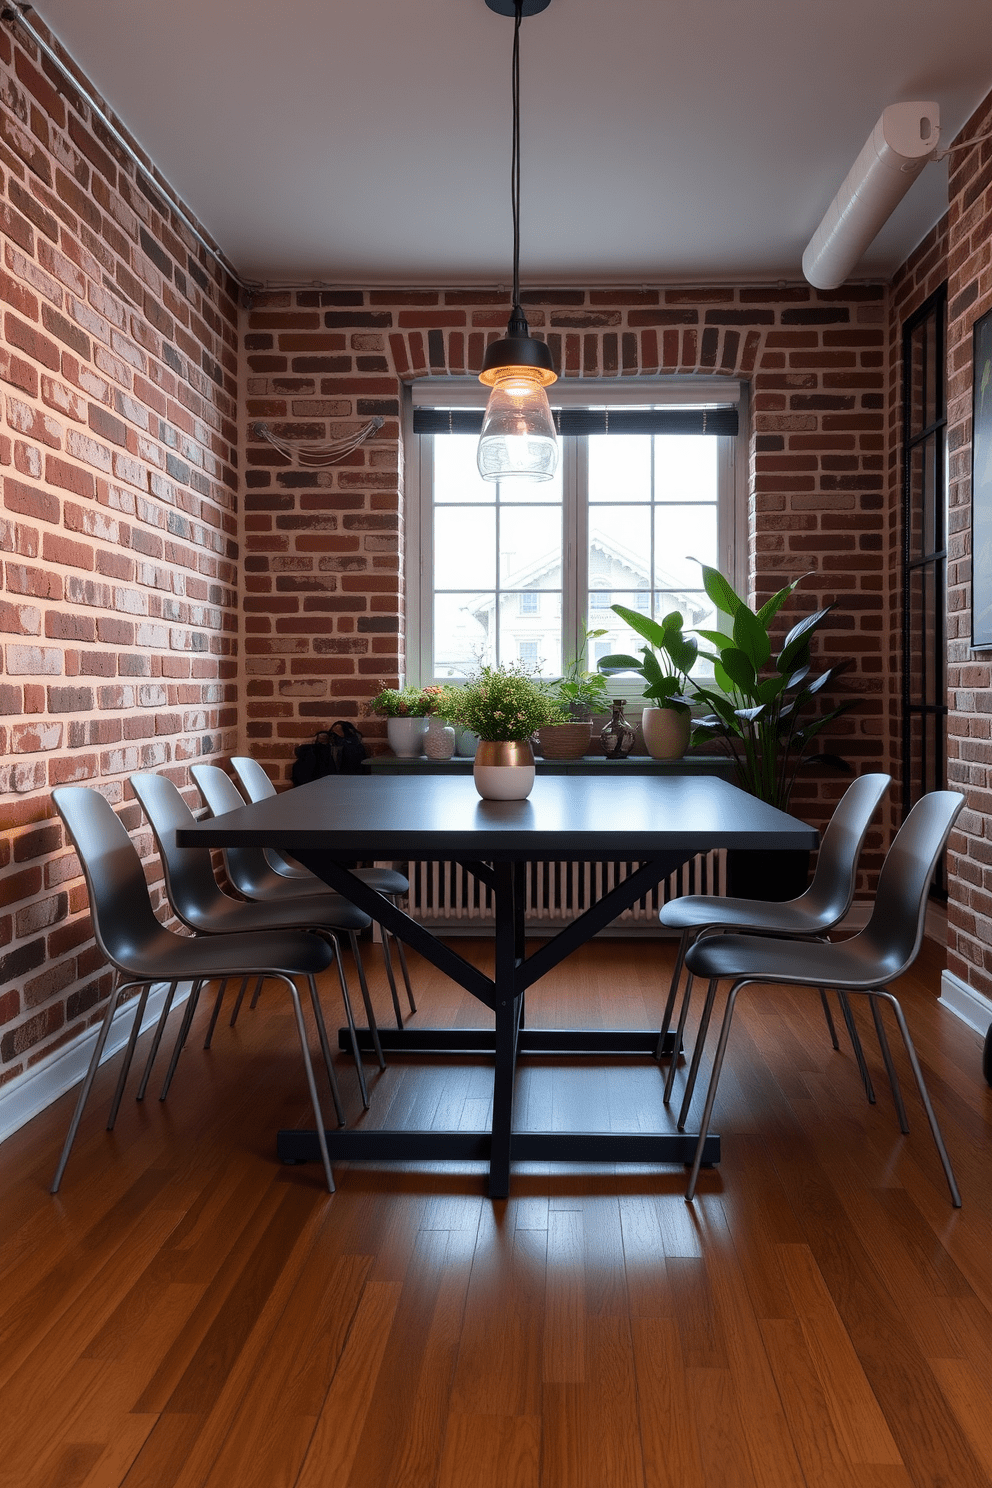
(405, 710)
(764, 709)
(581, 693)
(664, 664)
(504, 705)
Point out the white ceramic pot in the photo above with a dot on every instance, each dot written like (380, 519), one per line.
(504, 769)
(439, 740)
(406, 736)
(666, 732)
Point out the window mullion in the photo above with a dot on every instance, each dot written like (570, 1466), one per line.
(575, 543)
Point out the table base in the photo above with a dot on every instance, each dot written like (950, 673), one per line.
(608, 1041)
(654, 1148)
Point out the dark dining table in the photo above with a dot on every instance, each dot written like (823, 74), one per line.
(653, 823)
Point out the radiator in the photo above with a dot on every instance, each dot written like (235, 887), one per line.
(445, 896)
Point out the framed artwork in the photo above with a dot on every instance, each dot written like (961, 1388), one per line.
(981, 485)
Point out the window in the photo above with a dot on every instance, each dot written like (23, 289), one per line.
(519, 570)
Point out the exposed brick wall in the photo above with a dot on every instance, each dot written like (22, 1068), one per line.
(118, 457)
(324, 549)
(967, 240)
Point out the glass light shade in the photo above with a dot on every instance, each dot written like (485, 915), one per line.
(518, 439)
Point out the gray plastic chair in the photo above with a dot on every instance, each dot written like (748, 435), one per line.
(218, 789)
(199, 902)
(882, 951)
(142, 951)
(810, 917)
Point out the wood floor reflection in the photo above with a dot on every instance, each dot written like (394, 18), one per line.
(189, 1314)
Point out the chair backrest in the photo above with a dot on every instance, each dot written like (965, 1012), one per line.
(124, 922)
(257, 785)
(247, 867)
(830, 894)
(895, 930)
(193, 892)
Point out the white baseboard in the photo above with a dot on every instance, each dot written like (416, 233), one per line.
(28, 1095)
(965, 1003)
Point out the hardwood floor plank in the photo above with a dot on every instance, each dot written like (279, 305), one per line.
(491, 1451)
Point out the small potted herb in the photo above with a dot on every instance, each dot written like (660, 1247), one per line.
(581, 693)
(504, 705)
(405, 710)
(664, 665)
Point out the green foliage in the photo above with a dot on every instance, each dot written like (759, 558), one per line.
(504, 702)
(405, 702)
(664, 663)
(579, 691)
(761, 704)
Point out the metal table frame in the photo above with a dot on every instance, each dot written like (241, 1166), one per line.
(506, 839)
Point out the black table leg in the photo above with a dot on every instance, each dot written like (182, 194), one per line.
(507, 1023)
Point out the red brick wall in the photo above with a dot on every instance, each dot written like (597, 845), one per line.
(118, 457)
(323, 550)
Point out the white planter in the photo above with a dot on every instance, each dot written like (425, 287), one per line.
(439, 740)
(666, 732)
(406, 736)
(504, 770)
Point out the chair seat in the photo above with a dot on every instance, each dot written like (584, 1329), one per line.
(852, 965)
(279, 886)
(697, 911)
(325, 911)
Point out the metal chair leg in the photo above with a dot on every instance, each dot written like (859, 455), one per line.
(238, 1001)
(332, 1079)
(87, 1085)
(890, 1068)
(666, 1016)
(256, 994)
(924, 1095)
(311, 1082)
(697, 1054)
(218, 1000)
(388, 962)
(406, 973)
(352, 1034)
(829, 1017)
(163, 1018)
(680, 1030)
(128, 1055)
(369, 1011)
(859, 1053)
(177, 1049)
(721, 1050)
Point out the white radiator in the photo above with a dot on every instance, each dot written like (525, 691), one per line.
(445, 896)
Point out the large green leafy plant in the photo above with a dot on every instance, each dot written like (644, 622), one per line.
(664, 663)
(764, 704)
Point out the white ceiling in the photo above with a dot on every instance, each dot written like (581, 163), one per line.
(662, 139)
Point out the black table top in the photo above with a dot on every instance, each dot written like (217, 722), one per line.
(565, 817)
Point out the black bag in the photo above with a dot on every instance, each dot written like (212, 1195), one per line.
(338, 750)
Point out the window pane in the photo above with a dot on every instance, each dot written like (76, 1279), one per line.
(530, 547)
(620, 467)
(465, 547)
(456, 475)
(531, 493)
(679, 532)
(685, 467)
(532, 639)
(619, 547)
(463, 633)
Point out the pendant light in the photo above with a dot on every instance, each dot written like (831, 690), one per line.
(518, 438)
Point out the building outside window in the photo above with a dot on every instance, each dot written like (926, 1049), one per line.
(519, 570)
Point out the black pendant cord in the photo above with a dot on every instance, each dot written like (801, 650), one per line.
(515, 153)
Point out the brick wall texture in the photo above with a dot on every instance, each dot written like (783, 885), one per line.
(118, 528)
(160, 606)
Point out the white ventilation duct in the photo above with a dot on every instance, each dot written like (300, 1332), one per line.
(897, 149)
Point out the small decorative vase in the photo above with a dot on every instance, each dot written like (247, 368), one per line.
(565, 741)
(439, 740)
(618, 736)
(666, 732)
(406, 736)
(504, 769)
(466, 743)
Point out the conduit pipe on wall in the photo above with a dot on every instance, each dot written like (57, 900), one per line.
(903, 140)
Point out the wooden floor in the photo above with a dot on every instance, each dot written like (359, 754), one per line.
(188, 1313)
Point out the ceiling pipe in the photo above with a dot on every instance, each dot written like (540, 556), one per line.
(903, 140)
